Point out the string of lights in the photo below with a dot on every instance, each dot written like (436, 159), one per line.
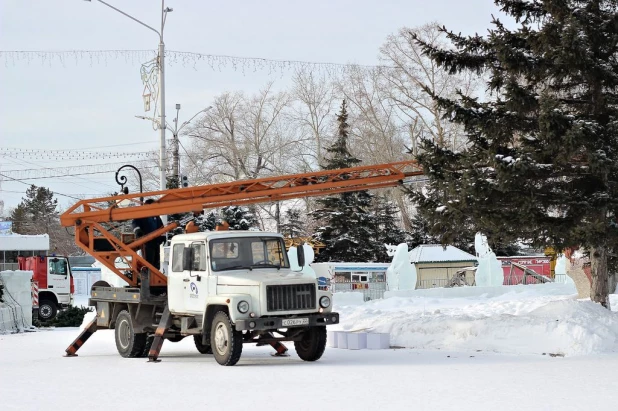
(42, 154)
(215, 62)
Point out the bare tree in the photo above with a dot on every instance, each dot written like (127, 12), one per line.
(378, 135)
(244, 137)
(411, 73)
(312, 111)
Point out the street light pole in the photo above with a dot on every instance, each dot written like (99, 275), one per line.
(161, 103)
(162, 150)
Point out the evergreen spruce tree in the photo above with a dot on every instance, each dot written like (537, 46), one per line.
(294, 226)
(21, 220)
(239, 218)
(347, 228)
(37, 213)
(542, 160)
(387, 229)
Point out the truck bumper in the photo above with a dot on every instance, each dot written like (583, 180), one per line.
(274, 323)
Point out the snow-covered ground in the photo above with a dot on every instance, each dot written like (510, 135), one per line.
(468, 350)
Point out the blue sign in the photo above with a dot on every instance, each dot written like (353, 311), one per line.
(6, 227)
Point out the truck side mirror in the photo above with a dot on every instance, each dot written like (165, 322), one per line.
(300, 255)
(187, 259)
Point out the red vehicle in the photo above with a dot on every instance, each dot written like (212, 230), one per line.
(55, 283)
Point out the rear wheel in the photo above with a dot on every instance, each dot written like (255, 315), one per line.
(313, 344)
(226, 342)
(146, 350)
(129, 343)
(202, 348)
(47, 310)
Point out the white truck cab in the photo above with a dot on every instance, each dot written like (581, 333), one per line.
(226, 289)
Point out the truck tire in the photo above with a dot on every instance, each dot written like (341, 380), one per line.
(225, 341)
(147, 346)
(313, 344)
(202, 348)
(128, 343)
(47, 310)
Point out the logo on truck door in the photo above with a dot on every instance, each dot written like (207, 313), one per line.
(194, 291)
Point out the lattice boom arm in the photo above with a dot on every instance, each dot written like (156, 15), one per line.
(196, 199)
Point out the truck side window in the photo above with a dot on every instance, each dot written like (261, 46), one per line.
(177, 253)
(57, 267)
(199, 257)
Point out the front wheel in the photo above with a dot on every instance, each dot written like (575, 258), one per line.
(225, 341)
(47, 310)
(313, 344)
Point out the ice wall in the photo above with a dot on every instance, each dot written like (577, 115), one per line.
(16, 310)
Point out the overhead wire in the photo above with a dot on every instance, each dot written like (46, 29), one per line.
(55, 192)
(28, 162)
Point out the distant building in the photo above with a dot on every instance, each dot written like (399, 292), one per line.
(13, 245)
(435, 264)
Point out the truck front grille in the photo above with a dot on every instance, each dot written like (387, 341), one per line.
(290, 297)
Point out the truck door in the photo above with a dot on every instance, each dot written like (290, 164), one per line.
(196, 280)
(175, 284)
(59, 278)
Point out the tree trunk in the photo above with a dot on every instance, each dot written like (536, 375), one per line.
(599, 291)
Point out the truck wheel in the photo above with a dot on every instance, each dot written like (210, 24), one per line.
(312, 346)
(129, 343)
(47, 310)
(225, 341)
(147, 346)
(202, 348)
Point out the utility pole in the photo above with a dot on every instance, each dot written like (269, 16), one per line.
(175, 141)
(176, 151)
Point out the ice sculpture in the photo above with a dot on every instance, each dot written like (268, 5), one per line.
(489, 271)
(401, 275)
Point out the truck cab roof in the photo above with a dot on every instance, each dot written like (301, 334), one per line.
(209, 235)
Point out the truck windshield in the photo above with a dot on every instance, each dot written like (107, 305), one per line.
(247, 253)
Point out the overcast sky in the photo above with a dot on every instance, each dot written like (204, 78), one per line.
(88, 105)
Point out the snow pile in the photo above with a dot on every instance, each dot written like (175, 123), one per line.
(532, 319)
(348, 299)
(88, 317)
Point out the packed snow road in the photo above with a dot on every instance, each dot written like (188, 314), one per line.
(470, 348)
(34, 375)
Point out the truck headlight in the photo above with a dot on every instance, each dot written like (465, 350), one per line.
(325, 302)
(243, 307)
